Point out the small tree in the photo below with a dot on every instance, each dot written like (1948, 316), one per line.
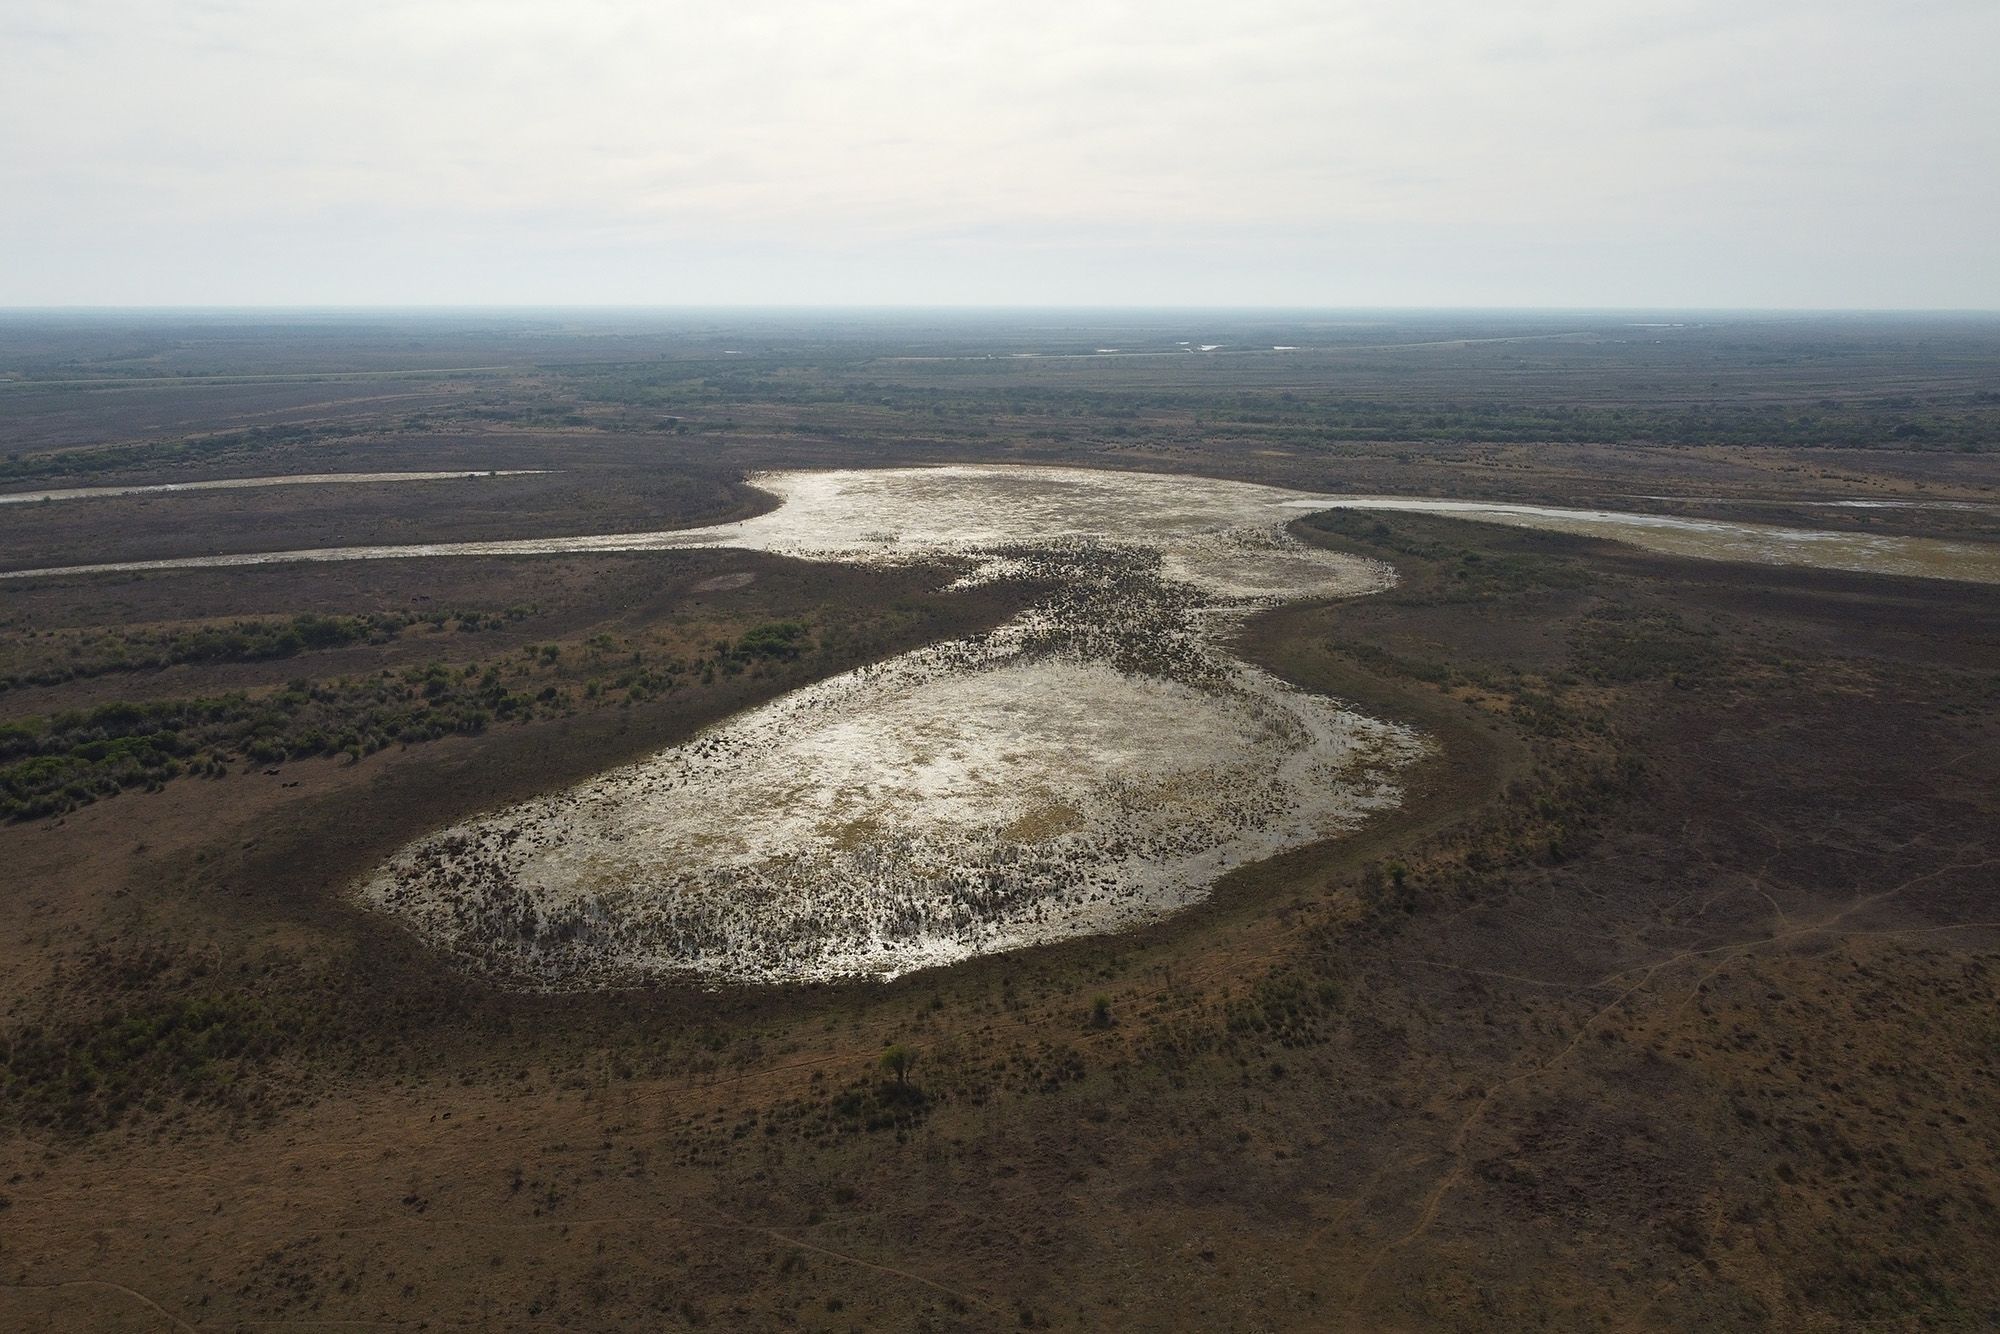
(897, 1060)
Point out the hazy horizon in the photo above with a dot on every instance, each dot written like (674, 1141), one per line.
(994, 308)
(1443, 155)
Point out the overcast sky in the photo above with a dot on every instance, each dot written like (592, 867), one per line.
(1768, 153)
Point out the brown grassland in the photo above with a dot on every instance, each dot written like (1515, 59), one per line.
(1670, 998)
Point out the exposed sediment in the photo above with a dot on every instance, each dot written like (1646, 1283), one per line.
(1097, 762)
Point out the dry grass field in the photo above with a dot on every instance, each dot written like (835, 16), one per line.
(1669, 998)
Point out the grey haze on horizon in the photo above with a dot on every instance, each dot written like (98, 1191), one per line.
(1671, 153)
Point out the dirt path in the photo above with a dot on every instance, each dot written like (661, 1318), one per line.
(1731, 952)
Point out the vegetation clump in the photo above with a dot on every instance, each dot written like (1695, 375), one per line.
(239, 641)
(58, 762)
(53, 764)
(194, 449)
(898, 1060)
(201, 1045)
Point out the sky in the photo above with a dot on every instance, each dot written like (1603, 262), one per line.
(1639, 153)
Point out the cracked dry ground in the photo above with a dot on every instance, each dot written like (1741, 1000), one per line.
(1668, 1001)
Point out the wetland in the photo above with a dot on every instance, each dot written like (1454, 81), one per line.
(1466, 823)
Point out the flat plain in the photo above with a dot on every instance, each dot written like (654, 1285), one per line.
(1665, 998)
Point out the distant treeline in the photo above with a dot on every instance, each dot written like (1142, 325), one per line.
(84, 462)
(1960, 421)
(1830, 426)
(241, 641)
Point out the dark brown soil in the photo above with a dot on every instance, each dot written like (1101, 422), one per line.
(1665, 1002)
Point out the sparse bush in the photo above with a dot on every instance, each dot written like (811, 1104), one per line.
(898, 1060)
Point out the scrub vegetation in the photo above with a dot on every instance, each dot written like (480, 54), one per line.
(67, 657)
(1663, 1000)
(58, 762)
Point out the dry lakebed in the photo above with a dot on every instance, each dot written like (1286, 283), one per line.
(1096, 762)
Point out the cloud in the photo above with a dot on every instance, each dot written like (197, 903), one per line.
(885, 150)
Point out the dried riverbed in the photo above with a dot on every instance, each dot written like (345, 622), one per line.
(1097, 762)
